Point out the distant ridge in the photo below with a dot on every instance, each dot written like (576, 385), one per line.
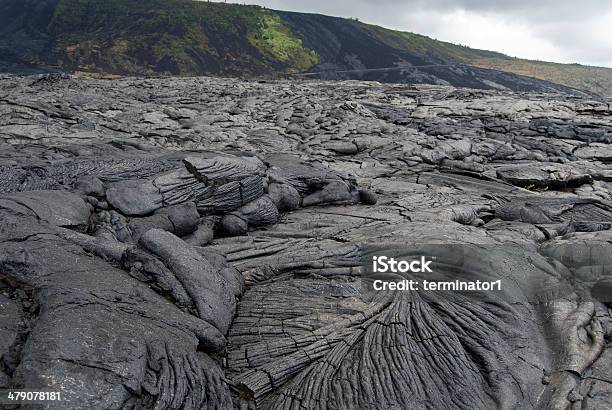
(183, 37)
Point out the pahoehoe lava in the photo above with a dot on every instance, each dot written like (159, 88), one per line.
(197, 242)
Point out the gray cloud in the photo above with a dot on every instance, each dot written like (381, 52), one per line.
(557, 30)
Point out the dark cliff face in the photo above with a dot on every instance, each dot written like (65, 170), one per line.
(183, 37)
(349, 49)
(24, 40)
(348, 44)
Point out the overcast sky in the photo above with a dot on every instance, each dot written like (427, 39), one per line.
(565, 31)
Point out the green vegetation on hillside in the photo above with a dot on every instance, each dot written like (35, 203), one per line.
(276, 40)
(186, 37)
(178, 36)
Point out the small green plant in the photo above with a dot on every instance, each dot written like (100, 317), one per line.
(536, 188)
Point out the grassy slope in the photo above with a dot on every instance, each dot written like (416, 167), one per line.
(595, 79)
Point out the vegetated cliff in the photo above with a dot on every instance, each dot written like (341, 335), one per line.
(184, 37)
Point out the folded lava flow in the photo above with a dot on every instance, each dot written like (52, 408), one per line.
(206, 243)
